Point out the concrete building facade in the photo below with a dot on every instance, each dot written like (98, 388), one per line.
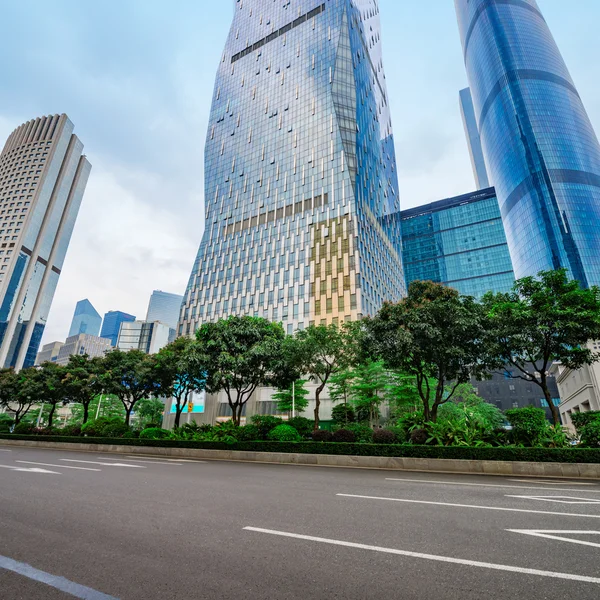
(147, 337)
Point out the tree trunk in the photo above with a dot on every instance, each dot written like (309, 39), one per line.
(128, 411)
(51, 415)
(318, 404)
(237, 414)
(178, 411)
(553, 409)
(86, 412)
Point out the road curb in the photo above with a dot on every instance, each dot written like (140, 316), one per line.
(432, 465)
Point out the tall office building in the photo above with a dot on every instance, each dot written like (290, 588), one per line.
(300, 170)
(147, 337)
(164, 307)
(459, 242)
(85, 320)
(467, 111)
(540, 148)
(43, 176)
(112, 324)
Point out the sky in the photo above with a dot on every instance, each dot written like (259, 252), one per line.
(136, 78)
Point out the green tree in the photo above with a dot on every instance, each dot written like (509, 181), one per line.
(529, 425)
(180, 369)
(293, 398)
(130, 376)
(82, 381)
(13, 392)
(241, 354)
(436, 336)
(368, 389)
(323, 351)
(544, 319)
(339, 385)
(343, 414)
(402, 394)
(150, 411)
(45, 385)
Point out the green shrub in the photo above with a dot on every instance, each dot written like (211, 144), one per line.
(342, 414)
(24, 428)
(265, 424)
(530, 425)
(401, 435)
(6, 422)
(345, 436)
(384, 436)
(322, 435)
(70, 430)
(94, 428)
(284, 433)
(154, 433)
(580, 420)
(363, 433)
(302, 425)
(590, 434)
(248, 433)
(419, 437)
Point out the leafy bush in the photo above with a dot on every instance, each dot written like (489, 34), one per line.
(590, 434)
(419, 437)
(154, 433)
(70, 430)
(24, 428)
(384, 436)
(302, 425)
(580, 420)
(402, 436)
(363, 433)
(530, 425)
(322, 435)
(112, 427)
(6, 422)
(410, 421)
(265, 424)
(248, 433)
(344, 435)
(342, 414)
(284, 433)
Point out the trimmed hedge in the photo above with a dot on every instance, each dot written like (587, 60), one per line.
(566, 455)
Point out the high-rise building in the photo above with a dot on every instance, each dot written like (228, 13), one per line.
(83, 343)
(85, 320)
(43, 176)
(300, 170)
(467, 112)
(540, 148)
(112, 324)
(164, 307)
(459, 242)
(49, 353)
(147, 337)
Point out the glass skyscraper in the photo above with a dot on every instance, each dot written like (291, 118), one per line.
(300, 173)
(459, 242)
(540, 148)
(43, 176)
(164, 307)
(467, 111)
(85, 320)
(112, 324)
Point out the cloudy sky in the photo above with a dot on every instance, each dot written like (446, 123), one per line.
(136, 78)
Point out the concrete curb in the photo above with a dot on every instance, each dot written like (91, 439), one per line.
(433, 465)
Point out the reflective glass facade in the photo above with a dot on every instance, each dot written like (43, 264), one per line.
(42, 180)
(300, 174)
(164, 307)
(459, 242)
(85, 320)
(540, 149)
(112, 324)
(467, 111)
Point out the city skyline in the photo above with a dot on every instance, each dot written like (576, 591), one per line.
(105, 93)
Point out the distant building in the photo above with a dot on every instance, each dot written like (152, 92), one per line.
(467, 112)
(43, 176)
(49, 353)
(85, 320)
(579, 389)
(459, 242)
(147, 337)
(112, 325)
(81, 344)
(164, 307)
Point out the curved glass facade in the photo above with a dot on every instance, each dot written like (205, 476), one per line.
(540, 148)
(300, 172)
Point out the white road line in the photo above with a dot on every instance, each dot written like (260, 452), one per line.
(60, 583)
(2, 450)
(490, 485)
(552, 482)
(433, 557)
(520, 510)
(92, 462)
(28, 462)
(543, 533)
(177, 460)
(560, 499)
(26, 470)
(144, 461)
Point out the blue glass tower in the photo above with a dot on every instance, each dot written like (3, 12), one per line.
(540, 148)
(300, 174)
(112, 324)
(85, 320)
(459, 242)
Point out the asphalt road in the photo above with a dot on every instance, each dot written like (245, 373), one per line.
(106, 527)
